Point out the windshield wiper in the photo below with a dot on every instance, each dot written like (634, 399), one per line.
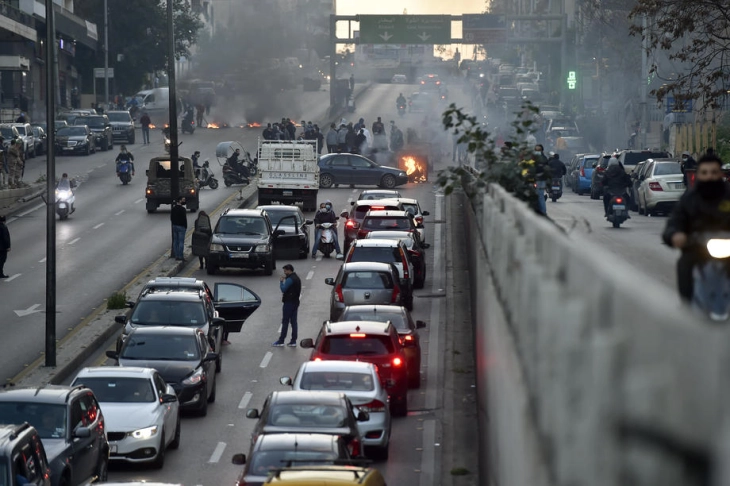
(248, 233)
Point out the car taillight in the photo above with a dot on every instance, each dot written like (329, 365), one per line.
(395, 296)
(357, 335)
(317, 359)
(397, 362)
(582, 171)
(374, 406)
(407, 338)
(404, 261)
(414, 253)
(338, 294)
(419, 220)
(655, 186)
(350, 224)
(600, 169)
(354, 447)
(619, 200)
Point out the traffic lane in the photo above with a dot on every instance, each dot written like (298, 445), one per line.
(252, 368)
(638, 241)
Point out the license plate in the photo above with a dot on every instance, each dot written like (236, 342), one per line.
(113, 449)
(68, 148)
(679, 186)
(287, 193)
(618, 206)
(239, 255)
(556, 188)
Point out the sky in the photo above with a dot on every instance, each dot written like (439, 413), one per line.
(423, 7)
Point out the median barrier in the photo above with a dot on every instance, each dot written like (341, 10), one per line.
(587, 371)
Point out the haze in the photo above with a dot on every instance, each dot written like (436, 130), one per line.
(454, 7)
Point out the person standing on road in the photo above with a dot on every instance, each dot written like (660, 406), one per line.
(291, 288)
(145, 122)
(4, 246)
(201, 237)
(179, 220)
(332, 139)
(15, 164)
(342, 139)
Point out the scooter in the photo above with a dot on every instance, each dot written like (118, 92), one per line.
(230, 176)
(556, 189)
(327, 239)
(205, 176)
(401, 109)
(252, 164)
(124, 171)
(64, 203)
(188, 125)
(711, 277)
(617, 211)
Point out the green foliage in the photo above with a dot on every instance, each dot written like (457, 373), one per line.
(513, 168)
(138, 31)
(723, 138)
(118, 300)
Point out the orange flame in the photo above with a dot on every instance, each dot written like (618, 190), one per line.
(254, 125)
(152, 125)
(416, 170)
(213, 125)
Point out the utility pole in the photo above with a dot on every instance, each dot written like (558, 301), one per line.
(50, 347)
(174, 168)
(333, 62)
(106, 56)
(644, 81)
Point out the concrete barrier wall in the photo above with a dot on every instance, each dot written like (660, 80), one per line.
(588, 372)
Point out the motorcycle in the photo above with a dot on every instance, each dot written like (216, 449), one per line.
(64, 203)
(231, 176)
(556, 189)
(206, 177)
(188, 125)
(124, 171)
(617, 210)
(401, 109)
(711, 277)
(327, 239)
(252, 164)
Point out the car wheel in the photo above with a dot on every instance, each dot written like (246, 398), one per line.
(219, 362)
(211, 269)
(204, 409)
(211, 398)
(388, 181)
(326, 181)
(159, 461)
(176, 441)
(399, 408)
(269, 267)
(102, 472)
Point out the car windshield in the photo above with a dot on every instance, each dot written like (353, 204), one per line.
(370, 195)
(264, 462)
(309, 415)
(336, 380)
(667, 168)
(241, 225)
(588, 164)
(7, 133)
(396, 318)
(386, 224)
(276, 216)
(362, 210)
(119, 117)
(119, 390)
(168, 313)
(21, 130)
(384, 254)
(363, 345)
(90, 121)
(367, 280)
(71, 131)
(161, 348)
(633, 158)
(47, 418)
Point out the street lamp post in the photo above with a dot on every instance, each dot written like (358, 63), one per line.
(50, 341)
(106, 56)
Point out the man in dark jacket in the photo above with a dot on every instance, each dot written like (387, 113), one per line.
(268, 132)
(557, 167)
(542, 174)
(615, 182)
(291, 287)
(351, 138)
(704, 208)
(326, 216)
(319, 137)
(4, 246)
(688, 163)
(179, 220)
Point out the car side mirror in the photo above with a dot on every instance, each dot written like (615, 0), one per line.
(425, 213)
(286, 381)
(112, 355)
(130, 304)
(218, 321)
(420, 324)
(307, 343)
(363, 416)
(308, 221)
(239, 459)
(252, 413)
(344, 214)
(426, 246)
(329, 281)
(210, 357)
(352, 203)
(82, 433)
(168, 398)
(147, 172)
(278, 233)
(122, 319)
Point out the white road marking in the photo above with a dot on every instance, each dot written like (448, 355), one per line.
(100, 166)
(218, 452)
(428, 457)
(98, 225)
(30, 310)
(354, 190)
(433, 342)
(25, 213)
(13, 277)
(73, 241)
(42, 261)
(267, 358)
(310, 275)
(138, 200)
(319, 258)
(118, 212)
(244, 401)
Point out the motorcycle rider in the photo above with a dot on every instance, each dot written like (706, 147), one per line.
(557, 167)
(401, 101)
(615, 182)
(704, 208)
(541, 164)
(124, 157)
(325, 216)
(189, 117)
(64, 184)
(688, 163)
(237, 165)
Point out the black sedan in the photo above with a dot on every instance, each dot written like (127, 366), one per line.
(181, 355)
(355, 169)
(76, 139)
(294, 242)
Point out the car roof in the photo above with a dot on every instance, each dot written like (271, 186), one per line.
(406, 200)
(43, 394)
(116, 371)
(389, 214)
(291, 442)
(337, 365)
(379, 191)
(244, 212)
(179, 295)
(176, 282)
(367, 266)
(307, 397)
(367, 327)
(165, 330)
(10, 432)
(280, 207)
(377, 308)
(376, 243)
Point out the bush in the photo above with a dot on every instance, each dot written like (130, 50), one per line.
(118, 300)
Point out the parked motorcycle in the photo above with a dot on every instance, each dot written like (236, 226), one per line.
(64, 203)
(617, 211)
(124, 171)
(231, 177)
(711, 276)
(205, 176)
(327, 240)
(556, 189)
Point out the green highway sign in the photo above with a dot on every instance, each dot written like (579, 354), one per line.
(405, 29)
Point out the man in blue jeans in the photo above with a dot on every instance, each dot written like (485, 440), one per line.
(291, 287)
(179, 220)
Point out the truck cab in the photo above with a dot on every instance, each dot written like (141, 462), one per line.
(289, 173)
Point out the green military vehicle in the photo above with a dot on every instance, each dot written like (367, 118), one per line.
(159, 184)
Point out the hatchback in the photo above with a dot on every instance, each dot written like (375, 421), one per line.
(357, 213)
(369, 341)
(364, 283)
(361, 383)
(661, 187)
(386, 221)
(582, 172)
(416, 251)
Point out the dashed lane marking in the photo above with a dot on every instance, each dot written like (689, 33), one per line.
(98, 225)
(42, 261)
(319, 258)
(118, 212)
(139, 200)
(13, 277)
(73, 241)
(267, 358)
(217, 453)
(310, 275)
(244, 401)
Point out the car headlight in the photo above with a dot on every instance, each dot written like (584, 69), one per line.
(262, 248)
(402, 174)
(195, 378)
(216, 247)
(145, 433)
(718, 248)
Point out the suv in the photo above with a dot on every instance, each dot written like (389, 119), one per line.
(629, 158)
(159, 183)
(387, 221)
(357, 213)
(100, 127)
(25, 131)
(71, 426)
(371, 342)
(122, 125)
(8, 133)
(243, 238)
(22, 454)
(386, 251)
(364, 283)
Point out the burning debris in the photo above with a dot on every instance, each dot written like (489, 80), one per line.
(253, 125)
(415, 167)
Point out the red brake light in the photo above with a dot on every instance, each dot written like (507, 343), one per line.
(357, 335)
(338, 294)
(404, 262)
(419, 220)
(415, 253)
(374, 406)
(350, 224)
(396, 294)
(354, 448)
(377, 208)
(655, 186)
(619, 200)
(317, 359)
(408, 337)
(397, 361)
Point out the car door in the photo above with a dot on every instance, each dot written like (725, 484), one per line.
(208, 366)
(234, 303)
(287, 245)
(363, 171)
(83, 449)
(643, 184)
(340, 168)
(168, 410)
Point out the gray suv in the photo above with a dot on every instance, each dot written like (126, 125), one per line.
(364, 283)
(122, 126)
(22, 454)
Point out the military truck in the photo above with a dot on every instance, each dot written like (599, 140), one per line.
(159, 178)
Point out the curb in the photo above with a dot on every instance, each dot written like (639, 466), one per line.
(21, 204)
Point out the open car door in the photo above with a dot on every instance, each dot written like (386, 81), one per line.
(287, 244)
(234, 303)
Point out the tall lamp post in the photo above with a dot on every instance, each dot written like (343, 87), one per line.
(50, 347)
(106, 57)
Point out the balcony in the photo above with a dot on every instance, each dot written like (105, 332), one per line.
(17, 22)
(66, 21)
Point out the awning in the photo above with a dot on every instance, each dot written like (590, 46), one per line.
(14, 63)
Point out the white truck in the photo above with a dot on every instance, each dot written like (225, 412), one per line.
(288, 172)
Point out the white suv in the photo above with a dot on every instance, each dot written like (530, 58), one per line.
(26, 135)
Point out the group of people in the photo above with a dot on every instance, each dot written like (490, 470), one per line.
(287, 130)
(357, 139)
(13, 164)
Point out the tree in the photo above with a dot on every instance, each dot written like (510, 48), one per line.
(697, 36)
(138, 31)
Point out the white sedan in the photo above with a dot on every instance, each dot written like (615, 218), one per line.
(141, 412)
(660, 186)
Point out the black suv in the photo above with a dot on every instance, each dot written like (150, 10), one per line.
(100, 127)
(243, 238)
(22, 454)
(71, 427)
(122, 126)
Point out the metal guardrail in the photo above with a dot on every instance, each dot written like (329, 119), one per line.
(616, 382)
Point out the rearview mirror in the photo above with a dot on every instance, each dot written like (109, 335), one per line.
(285, 380)
(363, 416)
(425, 213)
(130, 304)
(352, 203)
(82, 433)
(168, 398)
(329, 281)
(120, 319)
(252, 413)
(112, 355)
(218, 321)
(307, 343)
(210, 357)
(239, 459)
(420, 324)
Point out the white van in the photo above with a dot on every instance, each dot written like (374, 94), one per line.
(152, 100)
